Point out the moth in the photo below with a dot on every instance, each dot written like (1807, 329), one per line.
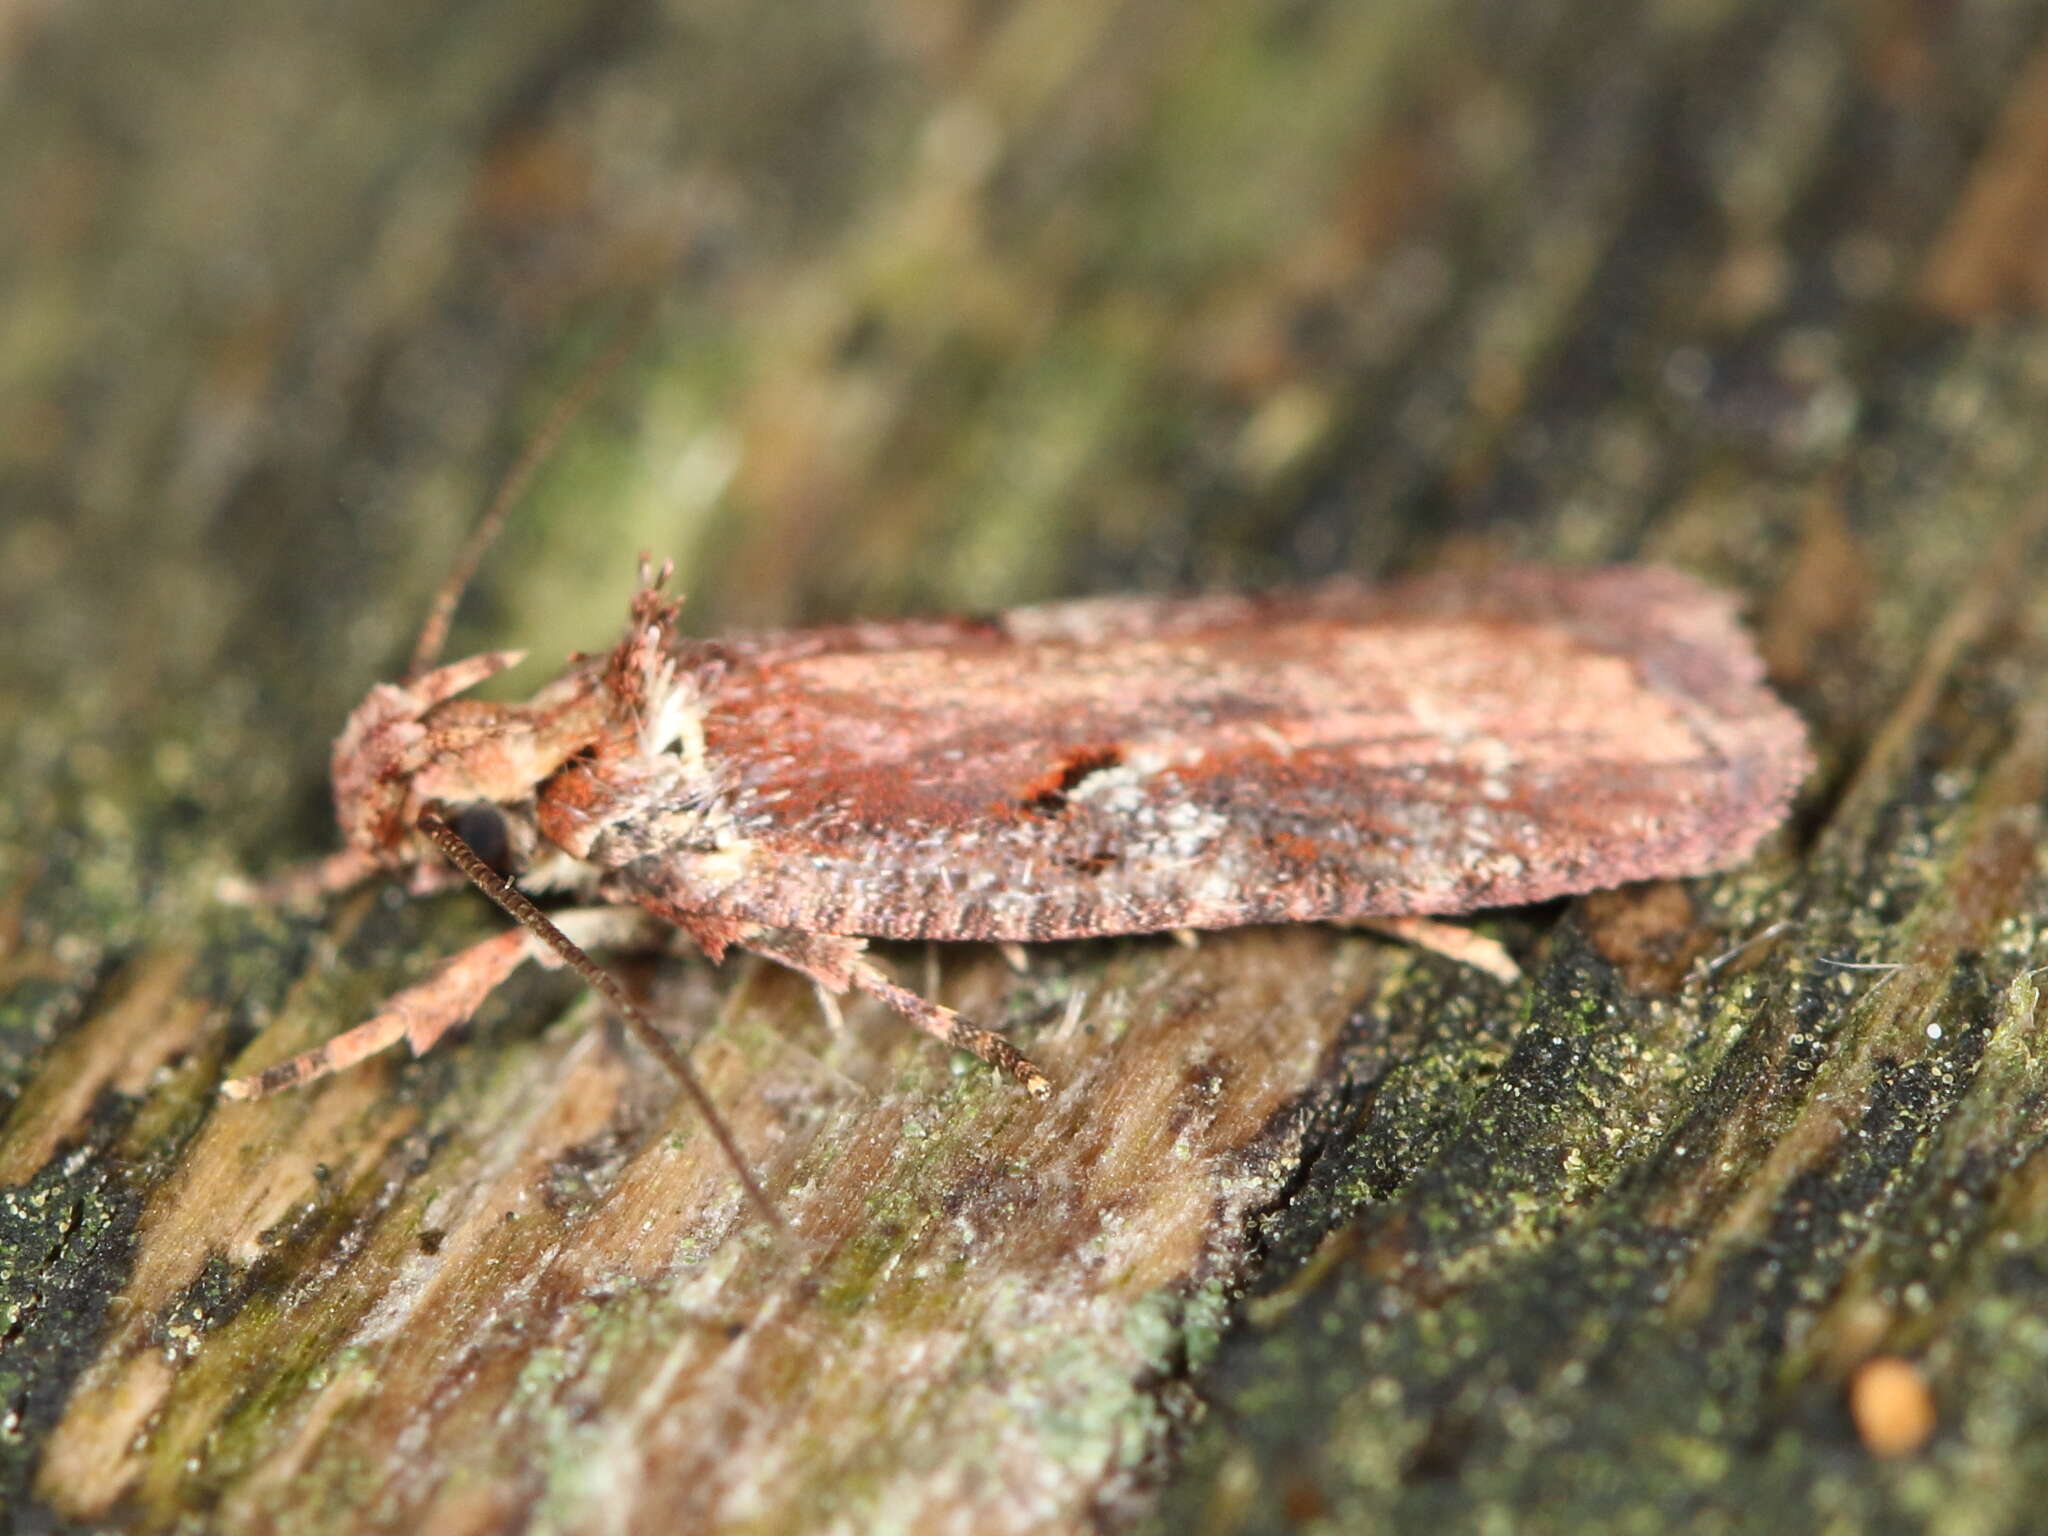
(1333, 753)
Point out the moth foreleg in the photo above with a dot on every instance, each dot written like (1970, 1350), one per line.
(421, 1014)
(424, 1012)
(835, 963)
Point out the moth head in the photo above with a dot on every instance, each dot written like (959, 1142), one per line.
(411, 745)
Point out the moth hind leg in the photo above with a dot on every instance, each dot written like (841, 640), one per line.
(836, 963)
(1451, 940)
(945, 1025)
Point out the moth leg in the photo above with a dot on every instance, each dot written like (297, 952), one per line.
(828, 1005)
(1447, 939)
(300, 885)
(421, 1014)
(427, 1010)
(835, 963)
(945, 1025)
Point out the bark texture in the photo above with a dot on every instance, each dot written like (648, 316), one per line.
(1733, 1213)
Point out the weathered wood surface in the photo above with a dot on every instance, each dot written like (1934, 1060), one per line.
(959, 306)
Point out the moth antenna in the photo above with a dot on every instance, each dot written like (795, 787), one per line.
(434, 632)
(536, 922)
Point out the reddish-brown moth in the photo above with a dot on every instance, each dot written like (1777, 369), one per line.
(1111, 766)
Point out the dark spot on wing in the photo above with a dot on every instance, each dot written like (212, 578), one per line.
(1048, 795)
(1093, 862)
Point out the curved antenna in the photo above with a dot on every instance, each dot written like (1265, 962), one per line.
(434, 632)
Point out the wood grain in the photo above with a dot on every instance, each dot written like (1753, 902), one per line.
(955, 308)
